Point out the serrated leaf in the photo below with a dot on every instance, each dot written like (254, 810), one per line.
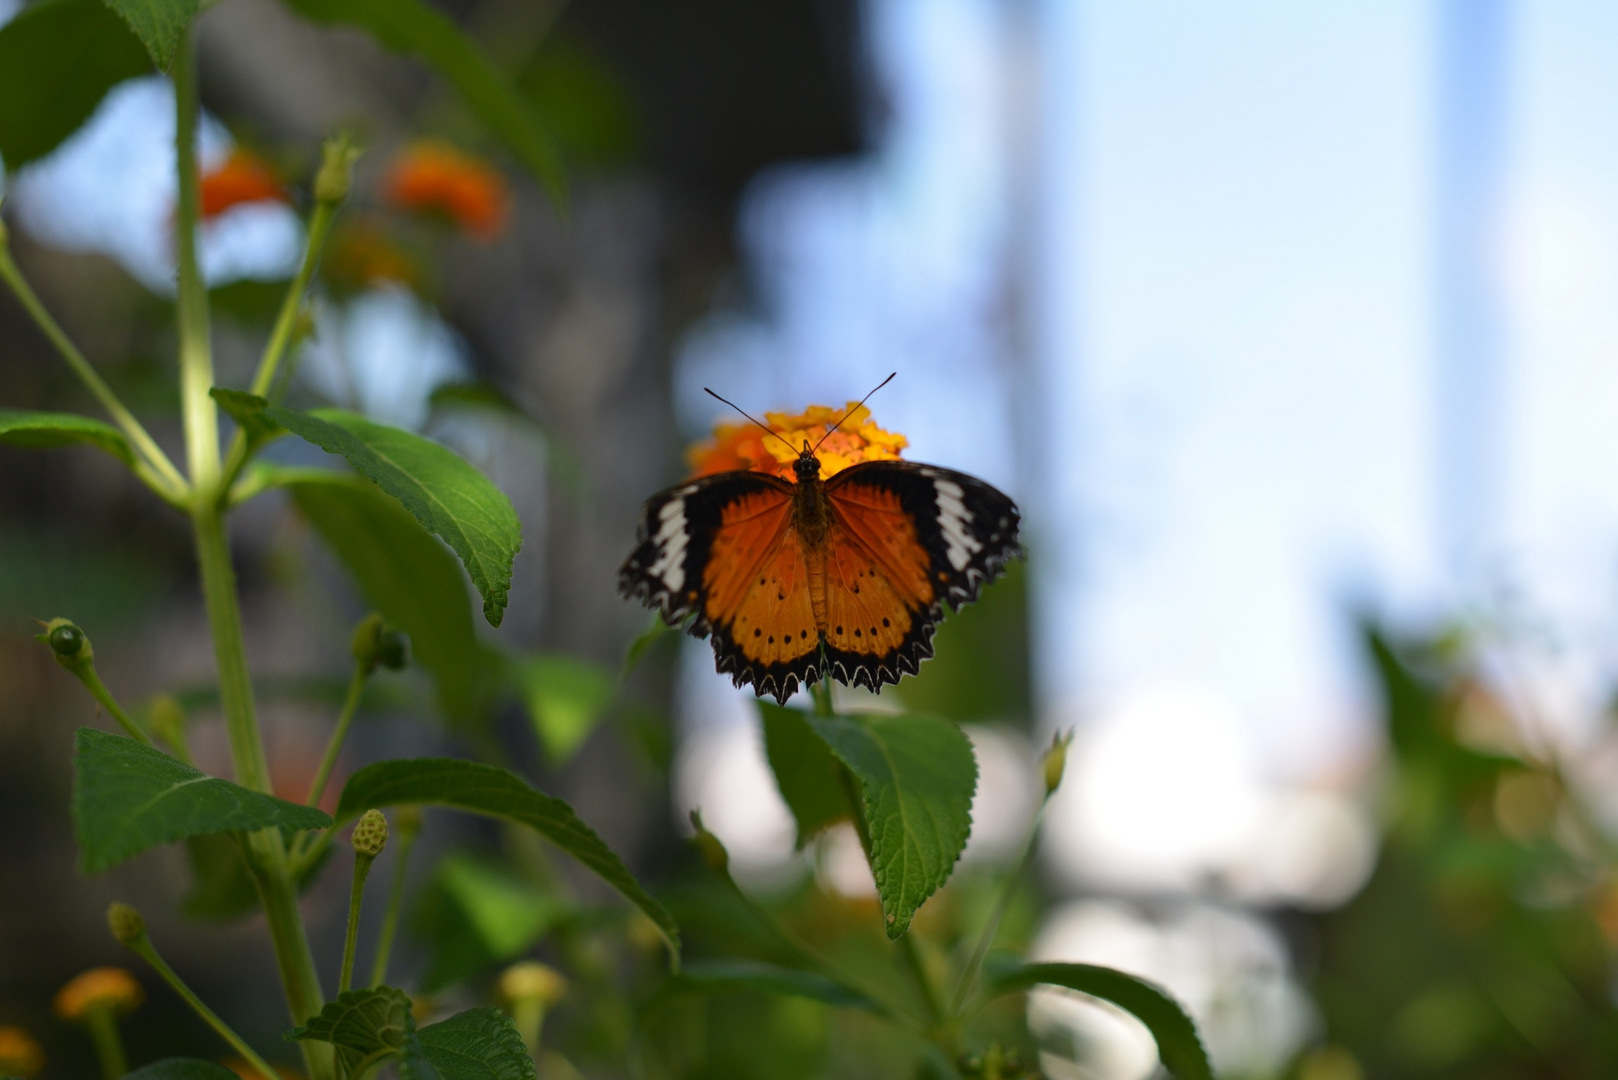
(479, 1044)
(410, 578)
(714, 976)
(248, 412)
(58, 59)
(805, 770)
(1178, 1045)
(918, 775)
(44, 430)
(128, 797)
(158, 23)
(484, 789)
(181, 1069)
(411, 27)
(366, 1026)
(441, 490)
(566, 699)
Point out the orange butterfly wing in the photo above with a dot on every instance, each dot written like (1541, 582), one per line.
(906, 539)
(722, 549)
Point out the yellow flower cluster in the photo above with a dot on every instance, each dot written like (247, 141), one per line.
(744, 446)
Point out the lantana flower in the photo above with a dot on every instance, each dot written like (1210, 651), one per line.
(20, 1054)
(98, 988)
(241, 178)
(434, 177)
(745, 446)
(362, 254)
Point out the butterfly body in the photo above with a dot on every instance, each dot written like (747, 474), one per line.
(846, 576)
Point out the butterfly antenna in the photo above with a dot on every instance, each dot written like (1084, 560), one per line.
(739, 409)
(850, 412)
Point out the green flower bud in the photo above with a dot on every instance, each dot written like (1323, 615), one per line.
(714, 855)
(336, 169)
(166, 716)
(127, 925)
(393, 650)
(370, 834)
(366, 640)
(1055, 761)
(68, 642)
(531, 981)
(408, 820)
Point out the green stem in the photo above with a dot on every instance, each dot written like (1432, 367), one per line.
(196, 352)
(390, 921)
(282, 335)
(362, 870)
(351, 704)
(1002, 904)
(103, 1024)
(267, 860)
(918, 973)
(148, 952)
(230, 652)
(98, 690)
(528, 1016)
(151, 465)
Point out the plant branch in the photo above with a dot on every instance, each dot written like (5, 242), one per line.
(196, 351)
(351, 704)
(151, 465)
(408, 821)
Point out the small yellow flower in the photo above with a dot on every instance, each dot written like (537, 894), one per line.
(106, 987)
(743, 446)
(20, 1055)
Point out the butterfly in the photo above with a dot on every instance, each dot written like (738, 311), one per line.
(846, 576)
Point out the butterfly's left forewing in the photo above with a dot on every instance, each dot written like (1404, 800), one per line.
(722, 548)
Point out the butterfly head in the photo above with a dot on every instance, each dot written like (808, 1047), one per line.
(807, 467)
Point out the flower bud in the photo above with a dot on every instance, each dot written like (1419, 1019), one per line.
(408, 820)
(393, 650)
(20, 1054)
(366, 640)
(166, 717)
(713, 852)
(530, 981)
(68, 642)
(336, 169)
(127, 925)
(370, 834)
(98, 988)
(1055, 761)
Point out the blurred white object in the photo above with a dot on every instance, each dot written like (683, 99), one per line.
(1229, 970)
(1007, 795)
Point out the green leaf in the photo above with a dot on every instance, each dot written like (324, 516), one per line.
(713, 976)
(479, 1044)
(918, 775)
(508, 913)
(411, 27)
(410, 578)
(248, 412)
(58, 59)
(442, 491)
(806, 772)
(484, 789)
(644, 641)
(1177, 1042)
(45, 430)
(566, 698)
(158, 23)
(128, 797)
(181, 1069)
(366, 1026)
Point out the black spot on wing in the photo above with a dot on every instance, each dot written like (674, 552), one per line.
(993, 521)
(874, 672)
(779, 681)
(703, 503)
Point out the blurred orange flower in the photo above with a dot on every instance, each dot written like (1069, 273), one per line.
(362, 254)
(98, 988)
(745, 446)
(434, 177)
(20, 1055)
(241, 178)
